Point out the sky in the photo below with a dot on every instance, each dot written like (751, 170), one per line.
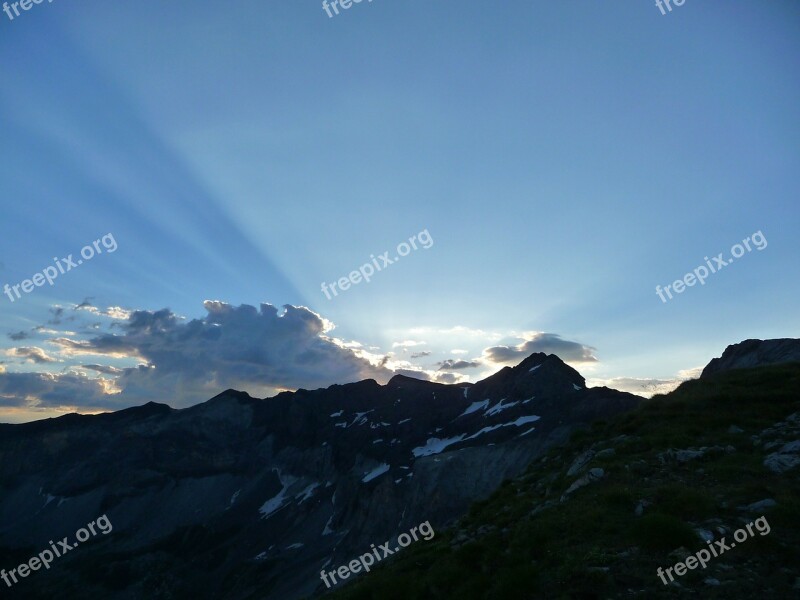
(543, 166)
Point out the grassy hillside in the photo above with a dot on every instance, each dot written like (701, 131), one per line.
(607, 539)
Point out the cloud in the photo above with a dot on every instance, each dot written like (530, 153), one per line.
(184, 362)
(20, 335)
(53, 390)
(641, 386)
(407, 344)
(647, 386)
(57, 312)
(449, 378)
(693, 373)
(105, 369)
(45, 330)
(454, 365)
(31, 353)
(458, 351)
(112, 312)
(164, 357)
(549, 343)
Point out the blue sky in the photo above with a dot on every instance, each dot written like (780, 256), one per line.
(565, 158)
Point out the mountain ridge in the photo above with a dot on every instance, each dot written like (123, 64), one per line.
(600, 516)
(282, 484)
(247, 498)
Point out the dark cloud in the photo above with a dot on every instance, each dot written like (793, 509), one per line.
(31, 353)
(420, 354)
(549, 343)
(253, 349)
(452, 364)
(20, 335)
(415, 374)
(53, 390)
(105, 369)
(57, 312)
(447, 378)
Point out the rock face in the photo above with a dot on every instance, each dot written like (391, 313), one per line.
(785, 437)
(755, 353)
(593, 475)
(245, 498)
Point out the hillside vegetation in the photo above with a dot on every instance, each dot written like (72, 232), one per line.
(658, 480)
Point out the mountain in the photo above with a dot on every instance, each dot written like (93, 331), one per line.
(606, 514)
(247, 498)
(755, 353)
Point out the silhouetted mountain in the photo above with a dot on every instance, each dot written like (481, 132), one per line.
(713, 464)
(245, 498)
(755, 353)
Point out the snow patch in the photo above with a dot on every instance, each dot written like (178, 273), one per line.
(485, 430)
(519, 422)
(307, 493)
(376, 472)
(361, 417)
(534, 368)
(475, 407)
(499, 407)
(277, 502)
(328, 530)
(523, 421)
(436, 445)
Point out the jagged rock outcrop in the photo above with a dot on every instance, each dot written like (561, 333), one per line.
(755, 353)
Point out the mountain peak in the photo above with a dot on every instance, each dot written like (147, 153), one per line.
(755, 353)
(534, 360)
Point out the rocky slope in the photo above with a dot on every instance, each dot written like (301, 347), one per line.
(755, 353)
(245, 498)
(597, 517)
